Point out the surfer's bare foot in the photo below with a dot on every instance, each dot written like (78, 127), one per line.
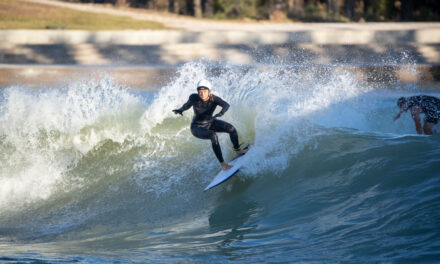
(241, 151)
(225, 166)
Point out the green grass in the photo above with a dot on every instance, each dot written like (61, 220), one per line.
(18, 14)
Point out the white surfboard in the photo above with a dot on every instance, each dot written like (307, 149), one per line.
(224, 175)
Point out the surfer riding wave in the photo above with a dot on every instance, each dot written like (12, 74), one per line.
(204, 125)
(428, 105)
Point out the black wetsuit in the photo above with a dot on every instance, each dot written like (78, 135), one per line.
(204, 125)
(430, 106)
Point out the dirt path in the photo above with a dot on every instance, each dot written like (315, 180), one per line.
(192, 24)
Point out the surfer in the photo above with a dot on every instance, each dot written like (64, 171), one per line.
(204, 125)
(428, 105)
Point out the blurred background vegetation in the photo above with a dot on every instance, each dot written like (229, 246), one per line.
(295, 10)
(19, 14)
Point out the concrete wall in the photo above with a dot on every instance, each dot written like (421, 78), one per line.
(139, 57)
(418, 43)
(161, 37)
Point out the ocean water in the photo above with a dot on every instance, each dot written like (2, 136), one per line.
(94, 172)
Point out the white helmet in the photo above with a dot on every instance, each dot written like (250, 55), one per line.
(203, 84)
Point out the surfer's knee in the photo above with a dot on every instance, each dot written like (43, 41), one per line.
(427, 128)
(230, 128)
(213, 137)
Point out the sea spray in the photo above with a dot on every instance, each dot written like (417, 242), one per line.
(45, 135)
(96, 167)
(268, 104)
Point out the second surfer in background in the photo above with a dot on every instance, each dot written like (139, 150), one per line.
(204, 125)
(428, 105)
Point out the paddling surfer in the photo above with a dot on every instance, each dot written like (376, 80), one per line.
(204, 125)
(428, 105)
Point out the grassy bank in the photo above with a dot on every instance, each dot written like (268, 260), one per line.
(18, 14)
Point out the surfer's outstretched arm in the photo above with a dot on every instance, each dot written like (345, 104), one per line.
(398, 116)
(184, 107)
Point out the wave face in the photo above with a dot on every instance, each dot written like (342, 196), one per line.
(95, 172)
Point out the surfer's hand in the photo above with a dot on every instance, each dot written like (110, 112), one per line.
(217, 115)
(397, 116)
(178, 112)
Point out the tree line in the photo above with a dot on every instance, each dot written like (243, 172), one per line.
(296, 10)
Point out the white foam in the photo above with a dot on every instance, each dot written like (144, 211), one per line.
(271, 106)
(45, 133)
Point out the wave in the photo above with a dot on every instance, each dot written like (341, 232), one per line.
(95, 158)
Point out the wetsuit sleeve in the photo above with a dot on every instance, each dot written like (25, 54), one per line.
(187, 105)
(223, 104)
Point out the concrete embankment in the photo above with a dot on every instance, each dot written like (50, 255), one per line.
(382, 49)
(346, 45)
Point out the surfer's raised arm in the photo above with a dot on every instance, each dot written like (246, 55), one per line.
(184, 107)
